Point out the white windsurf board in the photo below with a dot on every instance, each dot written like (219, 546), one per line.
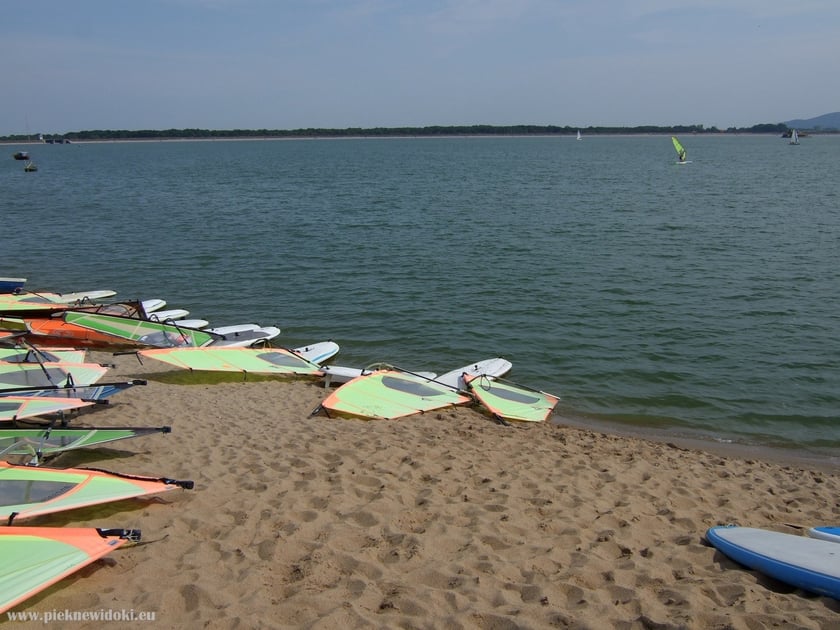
(233, 329)
(163, 316)
(247, 338)
(492, 368)
(831, 534)
(318, 352)
(189, 323)
(152, 305)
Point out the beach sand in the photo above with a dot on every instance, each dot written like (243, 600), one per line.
(445, 520)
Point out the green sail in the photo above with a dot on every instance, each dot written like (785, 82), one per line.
(27, 491)
(388, 394)
(679, 148)
(36, 557)
(47, 441)
(155, 334)
(249, 360)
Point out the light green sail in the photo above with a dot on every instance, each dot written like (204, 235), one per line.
(26, 491)
(389, 394)
(36, 557)
(47, 441)
(19, 407)
(16, 375)
(511, 402)
(249, 360)
(678, 148)
(36, 355)
(141, 331)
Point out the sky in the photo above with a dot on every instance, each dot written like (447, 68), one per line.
(73, 65)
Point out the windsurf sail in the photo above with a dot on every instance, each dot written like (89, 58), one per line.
(794, 137)
(37, 442)
(38, 355)
(247, 360)
(37, 557)
(13, 324)
(26, 491)
(388, 394)
(97, 392)
(141, 332)
(14, 375)
(20, 407)
(506, 401)
(678, 148)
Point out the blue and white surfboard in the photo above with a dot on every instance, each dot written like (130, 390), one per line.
(807, 563)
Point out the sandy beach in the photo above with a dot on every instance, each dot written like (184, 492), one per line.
(445, 520)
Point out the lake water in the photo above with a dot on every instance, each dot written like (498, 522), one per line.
(698, 300)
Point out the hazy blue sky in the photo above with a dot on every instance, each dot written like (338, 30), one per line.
(69, 65)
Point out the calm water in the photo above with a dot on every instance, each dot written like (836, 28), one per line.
(701, 300)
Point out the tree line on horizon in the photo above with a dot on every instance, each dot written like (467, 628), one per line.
(434, 130)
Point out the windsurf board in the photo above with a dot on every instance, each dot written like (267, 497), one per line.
(152, 305)
(190, 323)
(163, 316)
(492, 368)
(235, 328)
(318, 352)
(807, 563)
(247, 338)
(832, 534)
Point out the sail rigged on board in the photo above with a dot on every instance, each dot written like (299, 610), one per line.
(679, 148)
(794, 137)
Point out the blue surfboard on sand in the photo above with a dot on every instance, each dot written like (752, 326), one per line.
(807, 563)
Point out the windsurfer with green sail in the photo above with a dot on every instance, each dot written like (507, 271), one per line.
(679, 148)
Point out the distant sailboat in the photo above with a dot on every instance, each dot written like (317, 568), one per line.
(578, 136)
(794, 137)
(680, 151)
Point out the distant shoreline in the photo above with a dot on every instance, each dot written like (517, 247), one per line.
(720, 134)
(430, 131)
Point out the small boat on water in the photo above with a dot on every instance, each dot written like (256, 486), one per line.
(794, 137)
(30, 167)
(20, 155)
